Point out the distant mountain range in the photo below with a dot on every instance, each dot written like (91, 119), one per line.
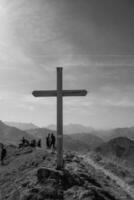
(120, 147)
(89, 140)
(76, 137)
(105, 135)
(73, 128)
(68, 129)
(22, 126)
(76, 142)
(118, 132)
(12, 135)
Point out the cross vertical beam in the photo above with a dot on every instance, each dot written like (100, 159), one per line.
(59, 94)
(59, 119)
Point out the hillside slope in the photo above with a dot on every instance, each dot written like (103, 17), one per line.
(72, 144)
(121, 148)
(32, 176)
(12, 135)
(90, 140)
(115, 133)
(21, 126)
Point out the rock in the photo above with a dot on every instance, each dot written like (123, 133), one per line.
(44, 157)
(76, 159)
(48, 192)
(44, 193)
(34, 190)
(30, 197)
(15, 195)
(69, 157)
(35, 163)
(46, 173)
(86, 195)
(77, 192)
(25, 184)
(64, 178)
(71, 179)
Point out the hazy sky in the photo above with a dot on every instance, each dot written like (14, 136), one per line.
(93, 40)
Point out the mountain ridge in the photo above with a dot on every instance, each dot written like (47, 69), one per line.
(121, 148)
(76, 142)
(21, 125)
(73, 128)
(12, 135)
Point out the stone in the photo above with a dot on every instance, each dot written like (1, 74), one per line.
(46, 173)
(48, 192)
(45, 193)
(15, 195)
(86, 195)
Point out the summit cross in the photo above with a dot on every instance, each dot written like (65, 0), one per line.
(59, 93)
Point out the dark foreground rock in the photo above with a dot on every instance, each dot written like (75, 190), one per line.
(47, 173)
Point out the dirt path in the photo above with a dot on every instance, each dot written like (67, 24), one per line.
(125, 187)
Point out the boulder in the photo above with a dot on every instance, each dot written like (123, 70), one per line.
(46, 173)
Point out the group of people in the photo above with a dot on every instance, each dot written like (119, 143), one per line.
(50, 141)
(24, 143)
(32, 143)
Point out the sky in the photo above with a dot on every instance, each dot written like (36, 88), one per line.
(94, 43)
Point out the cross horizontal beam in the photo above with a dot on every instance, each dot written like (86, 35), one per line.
(44, 93)
(53, 93)
(66, 93)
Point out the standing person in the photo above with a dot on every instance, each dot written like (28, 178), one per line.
(48, 141)
(3, 154)
(23, 141)
(53, 139)
(33, 143)
(39, 143)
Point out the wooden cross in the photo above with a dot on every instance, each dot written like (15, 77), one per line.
(59, 93)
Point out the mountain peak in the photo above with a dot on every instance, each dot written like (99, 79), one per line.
(73, 128)
(22, 125)
(120, 147)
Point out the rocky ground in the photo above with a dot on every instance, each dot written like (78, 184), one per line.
(31, 175)
(115, 166)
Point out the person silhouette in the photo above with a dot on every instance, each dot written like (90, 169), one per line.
(3, 154)
(48, 141)
(53, 140)
(23, 141)
(33, 143)
(39, 143)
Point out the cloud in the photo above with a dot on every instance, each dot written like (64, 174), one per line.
(91, 40)
(125, 103)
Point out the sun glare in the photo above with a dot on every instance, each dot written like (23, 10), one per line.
(2, 10)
